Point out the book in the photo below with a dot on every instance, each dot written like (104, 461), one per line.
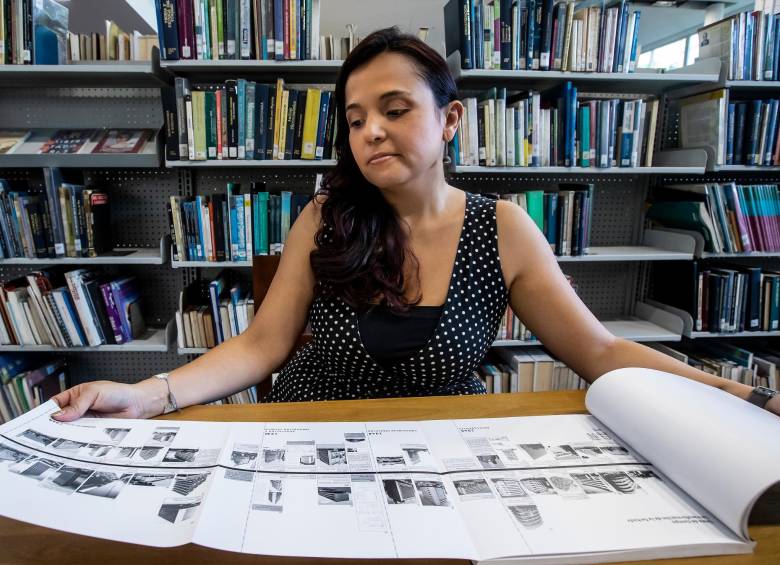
(122, 141)
(10, 140)
(66, 141)
(637, 477)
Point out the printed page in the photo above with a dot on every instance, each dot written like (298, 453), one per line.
(565, 485)
(137, 481)
(721, 450)
(331, 490)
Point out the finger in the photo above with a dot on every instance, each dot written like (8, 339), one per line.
(62, 399)
(81, 398)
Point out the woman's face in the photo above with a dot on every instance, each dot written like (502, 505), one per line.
(391, 111)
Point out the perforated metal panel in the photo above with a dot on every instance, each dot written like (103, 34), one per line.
(120, 367)
(78, 108)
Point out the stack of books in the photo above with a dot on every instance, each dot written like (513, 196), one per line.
(751, 365)
(28, 383)
(723, 298)
(33, 32)
(752, 133)
(213, 311)
(731, 218)
(542, 35)
(239, 29)
(113, 45)
(242, 119)
(78, 308)
(563, 129)
(67, 220)
(233, 226)
(526, 369)
(747, 43)
(564, 217)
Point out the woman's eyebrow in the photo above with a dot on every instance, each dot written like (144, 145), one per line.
(385, 96)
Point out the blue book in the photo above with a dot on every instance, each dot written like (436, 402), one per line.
(215, 290)
(167, 29)
(620, 37)
(279, 29)
(240, 227)
(67, 299)
(201, 248)
(634, 41)
(730, 134)
(776, 47)
(747, 65)
(571, 132)
(739, 134)
(755, 128)
(530, 33)
(322, 124)
(261, 115)
(771, 131)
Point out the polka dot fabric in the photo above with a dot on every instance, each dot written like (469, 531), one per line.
(335, 364)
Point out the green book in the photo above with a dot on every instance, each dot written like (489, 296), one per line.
(211, 124)
(534, 200)
(220, 30)
(585, 136)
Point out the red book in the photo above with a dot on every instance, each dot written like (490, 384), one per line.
(186, 21)
(742, 225)
(286, 29)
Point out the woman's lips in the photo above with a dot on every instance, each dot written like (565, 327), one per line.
(380, 160)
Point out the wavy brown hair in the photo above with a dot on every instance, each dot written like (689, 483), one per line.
(361, 246)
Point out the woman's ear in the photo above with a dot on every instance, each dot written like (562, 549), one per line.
(452, 118)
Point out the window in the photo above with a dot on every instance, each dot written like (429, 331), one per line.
(672, 55)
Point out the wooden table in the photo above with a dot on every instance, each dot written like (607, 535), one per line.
(22, 543)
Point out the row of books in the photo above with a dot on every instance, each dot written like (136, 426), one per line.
(724, 299)
(731, 218)
(752, 133)
(526, 369)
(213, 311)
(564, 217)
(747, 43)
(239, 29)
(542, 35)
(113, 45)
(512, 327)
(82, 307)
(68, 220)
(28, 382)
(753, 366)
(744, 132)
(247, 396)
(81, 141)
(33, 32)
(233, 226)
(242, 119)
(524, 130)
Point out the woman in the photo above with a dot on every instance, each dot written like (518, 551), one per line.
(403, 277)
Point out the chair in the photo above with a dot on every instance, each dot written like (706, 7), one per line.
(263, 271)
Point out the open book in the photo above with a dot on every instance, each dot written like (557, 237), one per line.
(663, 467)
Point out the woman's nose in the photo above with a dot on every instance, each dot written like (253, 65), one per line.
(374, 129)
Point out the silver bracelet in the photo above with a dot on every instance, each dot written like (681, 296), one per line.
(171, 405)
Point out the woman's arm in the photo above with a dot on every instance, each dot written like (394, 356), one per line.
(563, 323)
(249, 358)
(233, 365)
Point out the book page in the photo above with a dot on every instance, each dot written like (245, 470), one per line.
(718, 448)
(137, 481)
(565, 485)
(345, 489)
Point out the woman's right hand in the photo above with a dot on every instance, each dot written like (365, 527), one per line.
(106, 399)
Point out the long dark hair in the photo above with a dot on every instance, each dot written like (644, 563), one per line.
(361, 246)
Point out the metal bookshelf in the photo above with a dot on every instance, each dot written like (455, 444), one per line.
(640, 82)
(254, 163)
(624, 171)
(86, 74)
(119, 256)
(309, 71)
(155, 340)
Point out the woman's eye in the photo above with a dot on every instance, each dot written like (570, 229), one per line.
(398, 112)
(354, 123)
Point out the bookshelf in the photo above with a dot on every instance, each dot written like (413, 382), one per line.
(311, 71)
(641, 82)
(119, 256)
(254, 164)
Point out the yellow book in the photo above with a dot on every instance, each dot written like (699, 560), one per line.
(277, 113)
(199, 123)
(310, 123)
(283, 123)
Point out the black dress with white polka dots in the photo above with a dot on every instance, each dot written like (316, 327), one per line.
(335, 364)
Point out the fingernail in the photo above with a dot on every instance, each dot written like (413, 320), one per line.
(60, 413)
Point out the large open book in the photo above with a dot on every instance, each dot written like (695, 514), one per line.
(664, 466)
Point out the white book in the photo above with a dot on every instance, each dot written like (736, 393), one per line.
(245, 37)
(510, 137)
(248, 253)
(76, 288)
(180, 335)
(500, 132)
(315, 29)
(473, 139)
(71, 323)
